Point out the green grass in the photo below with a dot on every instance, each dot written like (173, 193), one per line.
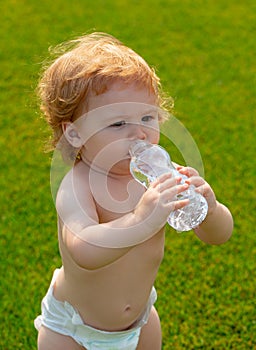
(204, 52)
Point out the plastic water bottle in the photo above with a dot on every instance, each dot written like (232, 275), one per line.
(148, 162)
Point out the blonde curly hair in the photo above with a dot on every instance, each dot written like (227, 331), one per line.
(88, 65)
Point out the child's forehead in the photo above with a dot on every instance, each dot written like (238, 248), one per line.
(118, 92)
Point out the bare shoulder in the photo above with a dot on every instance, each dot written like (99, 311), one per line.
(76, 210)
(74, 200)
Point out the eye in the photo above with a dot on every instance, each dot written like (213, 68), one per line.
(147, 118)
(118, 124)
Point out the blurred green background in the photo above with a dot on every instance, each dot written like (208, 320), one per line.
(204, 52)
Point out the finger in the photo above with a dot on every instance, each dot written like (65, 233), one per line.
(169, 184)
(196, 181)
(178, 188)
(204, 190)
(175, 205)
(162, 178)
(188, 171)
(169, 194)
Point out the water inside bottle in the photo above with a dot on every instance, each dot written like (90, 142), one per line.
(142, 173)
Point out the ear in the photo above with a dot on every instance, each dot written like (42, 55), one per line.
(72, 135)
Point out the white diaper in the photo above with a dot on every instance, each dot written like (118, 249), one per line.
(61, 317)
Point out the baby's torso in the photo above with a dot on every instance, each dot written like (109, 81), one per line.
(112, 297)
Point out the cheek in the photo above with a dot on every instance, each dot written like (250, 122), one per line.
(157, 138)
(154, 136)
(98, 141)
(93, 147)
(107, 150)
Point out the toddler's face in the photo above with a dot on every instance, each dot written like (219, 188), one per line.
(116, 119)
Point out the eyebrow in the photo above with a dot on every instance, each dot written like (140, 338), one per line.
(151, 110)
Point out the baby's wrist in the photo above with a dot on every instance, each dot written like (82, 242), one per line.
(213, 208)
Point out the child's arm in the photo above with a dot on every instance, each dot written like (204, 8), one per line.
(218, 225)
(87, 239)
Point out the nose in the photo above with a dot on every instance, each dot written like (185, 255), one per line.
(138, 132)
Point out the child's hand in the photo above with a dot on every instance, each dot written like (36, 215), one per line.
(201, 185)
(159, 200)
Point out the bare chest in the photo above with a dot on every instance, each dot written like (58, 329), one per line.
(115, 198)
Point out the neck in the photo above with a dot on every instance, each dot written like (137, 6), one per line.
(96, 169)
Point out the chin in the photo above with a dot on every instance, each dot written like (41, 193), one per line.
(121, 168)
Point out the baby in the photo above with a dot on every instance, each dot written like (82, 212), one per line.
(99, 96)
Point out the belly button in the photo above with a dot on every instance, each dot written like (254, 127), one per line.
(127, 308)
